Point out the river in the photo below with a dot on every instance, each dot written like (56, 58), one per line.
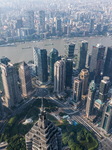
(24, 51)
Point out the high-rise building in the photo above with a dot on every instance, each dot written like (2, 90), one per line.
(35, 57)
(58, 25)
(42, 20)
(10, 84)
(25, 79)
(29, 19)
(108, 63)
(97, 61)
(1, 108)
(83, 55)
(84, 76)
(77, 90)
(4, 60)
(44, 135)
(69, 71)
(53, 58)
(106, 122)
(59, 77)
(19, 24)
(42, 65)
(91, 26)
(90, 99)
(104, 88)
(70, 50)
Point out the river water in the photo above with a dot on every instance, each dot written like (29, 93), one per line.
(24, 51)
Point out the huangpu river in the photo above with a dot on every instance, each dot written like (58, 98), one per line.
(24, 51)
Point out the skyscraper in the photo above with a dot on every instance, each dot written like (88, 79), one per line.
(77, 89)
(29, 19)
(58, 25)
(108, 63)
(84, 76)
(42, 65)
(42, 20)
(69, 71)
(53, 58)
(104, 88)
(40, 60)
(25, 79)
(4, 60)
(106, 122)
(1, 108)
(35, 57)
(97, 61)
(10, 84)
(59, 77)
(44, 135)
(90, 99)
(91, 26)
(82, 54)
(70, 50)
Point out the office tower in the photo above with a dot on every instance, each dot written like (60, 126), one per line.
(29, 19)
(25, 79)
(90, 99)
(59, 77)
(19, 24)
(106, 122)
(84, 76)
(35, 57)
(108, 63)
(104, 88)
(97, 61)
(53, 31)
(58, 25)
(77, 90)
(44, 135)
(70, 50)
(91, 26)
(99, 28)
(42, 20)
(53, 58)
(4, 60)
(1, 108)
(42, 65)
(83, 54)
(10, 84)
(69, 71)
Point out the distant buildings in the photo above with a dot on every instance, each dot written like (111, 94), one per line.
(82, 55)
(44, 135)
(25, 79)
(53, 58)
(59, 77)
(90, 99)
(10, 84)
(77, 90)
(106, 122)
